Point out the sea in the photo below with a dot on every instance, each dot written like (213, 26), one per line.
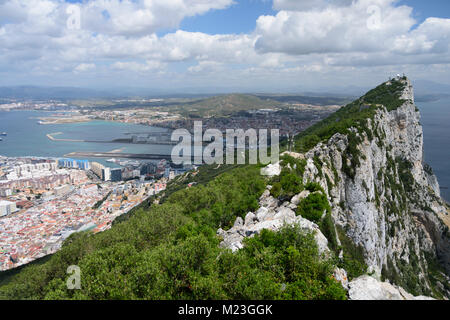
(435, 119)
(25, 137)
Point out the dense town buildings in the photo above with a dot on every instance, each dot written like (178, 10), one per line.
(43, 201)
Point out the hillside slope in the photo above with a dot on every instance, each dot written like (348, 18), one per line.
(223, 105)
(357, 204)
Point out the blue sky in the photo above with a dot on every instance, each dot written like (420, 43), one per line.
(224, 45)
(428, 8)
(239, 18)
(242, 16)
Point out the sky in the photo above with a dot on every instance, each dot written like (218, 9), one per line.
(223, 45)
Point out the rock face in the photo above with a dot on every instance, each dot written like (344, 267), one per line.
(341, 276)
(391, 207)
(387, 205)
(272, 217)
(271, 170)
(368, 288)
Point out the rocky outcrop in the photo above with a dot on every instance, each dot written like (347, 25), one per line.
(271, 170)
(368, 288)
(341, 276)
(271, 216)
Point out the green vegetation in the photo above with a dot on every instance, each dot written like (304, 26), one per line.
(406, 274)
(313, 187)
(321, 101)
(328, 229)
(405, 175)
(318, 164)
(99, 203)
(202, 176)
(386, 94)
(437, 275)
(224, 105)
(354, 115)
(298, 165)
(353, 261)
(289, 182)
(170, 251)
(314, 207)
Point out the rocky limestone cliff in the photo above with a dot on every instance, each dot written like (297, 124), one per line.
(391, 206)
(382, 198)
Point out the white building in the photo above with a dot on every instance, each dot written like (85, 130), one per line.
(101, 171)
(62, 190)
(5, 192)
(136, 173)
(6, 208)
(97, 168)
(106, 174)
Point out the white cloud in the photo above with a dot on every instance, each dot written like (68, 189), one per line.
(303, 38)
(83, 67)
(206, 67)
(364, 33)
(183, 45)
(114, 17)
(333, 29)
(432, 36)
(138, 67)
(142, 16)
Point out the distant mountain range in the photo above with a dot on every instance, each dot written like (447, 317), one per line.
(425, 90)
(45, 93)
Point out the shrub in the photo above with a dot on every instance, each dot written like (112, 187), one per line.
(290, 183)
(313, 187)
(276, 190)
(326, 225)
(353, 260)
(313, 207)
